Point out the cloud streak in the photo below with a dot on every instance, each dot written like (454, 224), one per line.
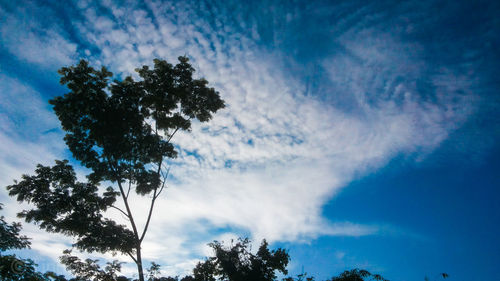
(34, 43)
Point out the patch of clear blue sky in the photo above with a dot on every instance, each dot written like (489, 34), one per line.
(446, 205)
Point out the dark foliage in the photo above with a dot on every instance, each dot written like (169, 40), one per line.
(237, 263)
(10, 237)
(12, 267)
(89, 270)
(357, 275)
(300, 277)
(73, 208)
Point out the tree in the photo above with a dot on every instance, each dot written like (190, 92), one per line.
(237, 263)
(357, 275)
(89, 270)
(154, 275)
(121, 131)
(300, 277)
(14, 268)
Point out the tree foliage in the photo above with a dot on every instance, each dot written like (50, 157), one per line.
(14, 268)
(238, 263)
(357, 275)
(300, 277)
(10, 234)
(65, 205)
(121, 132)
(90, 270)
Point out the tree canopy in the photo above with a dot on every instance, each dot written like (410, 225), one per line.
(357, 275)
(238, 263)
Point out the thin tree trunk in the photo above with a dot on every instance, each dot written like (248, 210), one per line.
(139, 263)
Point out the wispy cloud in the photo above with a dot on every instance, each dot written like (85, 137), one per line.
(30, 41)
(25, 124)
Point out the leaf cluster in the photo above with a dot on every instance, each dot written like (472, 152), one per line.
(237, 263)
(357, 275)
(10, 236)
(65, 205)
(89, 270)
(119, 129)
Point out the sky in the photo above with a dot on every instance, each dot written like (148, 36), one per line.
(355, 134)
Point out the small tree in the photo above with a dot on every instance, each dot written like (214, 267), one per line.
(357, 275)
(121, 131)
(89, 270)
(237, 263)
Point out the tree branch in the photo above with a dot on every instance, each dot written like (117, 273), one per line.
(163, 183)
(112, 206)
(149, 215)
(155, 195)
(172, 135)
(125, 200)
(129, 212)
(131, 256)
(129, 185)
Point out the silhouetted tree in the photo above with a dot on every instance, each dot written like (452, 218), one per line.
(357, 275)
(237, 263)
(14, 268)
(121, 131)
(300, 277)
(153, 271)
(89, 269)
(154, 274)
(10, 234)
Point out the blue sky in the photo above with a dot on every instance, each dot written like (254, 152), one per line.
(356, 134)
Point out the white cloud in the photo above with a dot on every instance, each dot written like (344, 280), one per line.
(34, 43)
(26, 139)
(25, 124)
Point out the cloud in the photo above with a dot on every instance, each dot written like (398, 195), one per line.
(26, 131)
(33, 42)
(268, 163)
(27, 137)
